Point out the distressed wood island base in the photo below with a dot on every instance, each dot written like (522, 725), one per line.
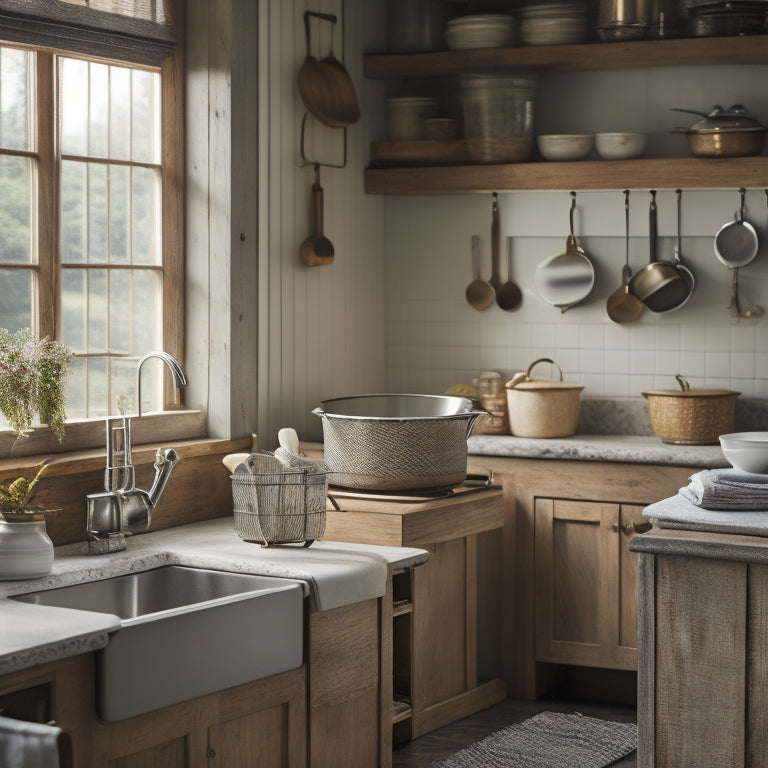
(703, 650)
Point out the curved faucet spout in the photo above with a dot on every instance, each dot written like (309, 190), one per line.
(179, 379)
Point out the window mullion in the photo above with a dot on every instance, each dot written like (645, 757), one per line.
(47, 308)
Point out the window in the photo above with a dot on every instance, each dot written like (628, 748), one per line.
(85, 218)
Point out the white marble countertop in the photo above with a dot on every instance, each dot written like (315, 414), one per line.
(638, 449)
(334, 574)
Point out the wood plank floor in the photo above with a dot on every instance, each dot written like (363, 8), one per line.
(420, 752)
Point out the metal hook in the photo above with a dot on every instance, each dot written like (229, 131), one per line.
(742, 192)
(303, 160)
(573, 206)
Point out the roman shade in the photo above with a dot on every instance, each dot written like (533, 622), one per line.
(133, 31)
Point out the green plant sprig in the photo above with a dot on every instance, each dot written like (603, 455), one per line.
(16, 496)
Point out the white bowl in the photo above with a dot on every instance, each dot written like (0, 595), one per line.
(747, 451)
(621, 146)
(565, 146)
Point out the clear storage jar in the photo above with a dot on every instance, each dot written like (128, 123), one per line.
(498, 117)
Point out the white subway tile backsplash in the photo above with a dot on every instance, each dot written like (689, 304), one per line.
(718, 365)
(567, 336)
(641, 362)
(693, 365)
(543, 337)
(591, 336)
(432, 330)
(666, 363)
(742, 365)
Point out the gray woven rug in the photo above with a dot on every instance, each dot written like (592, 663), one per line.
(549, 740)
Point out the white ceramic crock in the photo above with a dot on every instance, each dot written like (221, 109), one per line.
(26, 551)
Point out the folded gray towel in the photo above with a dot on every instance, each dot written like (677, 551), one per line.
(32, 745)
(727, 489)
(678, 512)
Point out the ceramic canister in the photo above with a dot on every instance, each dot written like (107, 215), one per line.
(26, 551)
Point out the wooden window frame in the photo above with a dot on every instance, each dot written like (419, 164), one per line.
(90, 433)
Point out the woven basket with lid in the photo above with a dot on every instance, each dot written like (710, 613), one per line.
(688, 416)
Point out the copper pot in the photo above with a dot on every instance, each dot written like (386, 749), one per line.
(725, 133)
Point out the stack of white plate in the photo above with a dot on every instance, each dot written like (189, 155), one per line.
(558, 23)
(487, 30)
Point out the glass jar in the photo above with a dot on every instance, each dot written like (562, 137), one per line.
(492, 395)
(498, 117)
(26, 550)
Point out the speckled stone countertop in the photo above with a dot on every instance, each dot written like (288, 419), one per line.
(637, 449)
(334, 573)
(619, 429)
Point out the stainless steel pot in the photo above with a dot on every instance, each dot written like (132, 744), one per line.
(659, 284)
(397, 442)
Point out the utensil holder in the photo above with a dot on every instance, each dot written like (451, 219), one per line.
(280, 507)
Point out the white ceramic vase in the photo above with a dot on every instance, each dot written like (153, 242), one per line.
(26, 551)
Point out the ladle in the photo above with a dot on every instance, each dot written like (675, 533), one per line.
(317, 249)
(509, 296)
(479, 293)
(623, 306)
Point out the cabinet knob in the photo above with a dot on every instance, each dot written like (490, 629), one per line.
(635, 527)
(615, 527)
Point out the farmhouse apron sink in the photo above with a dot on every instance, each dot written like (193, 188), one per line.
(185, 632)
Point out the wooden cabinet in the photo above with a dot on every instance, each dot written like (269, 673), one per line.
(702, 681)
(686, 172)
(569, 580)
(441, 623)
(258, 724)
(586, 583)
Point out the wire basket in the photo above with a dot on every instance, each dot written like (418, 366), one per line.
(280, 507)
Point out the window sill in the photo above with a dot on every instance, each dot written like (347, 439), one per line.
(84, 436)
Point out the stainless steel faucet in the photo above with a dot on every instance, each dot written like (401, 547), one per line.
(122, 508)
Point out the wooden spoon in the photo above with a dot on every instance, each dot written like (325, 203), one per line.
(509, 296)
(623, 306)
(317, 249)
(479, 293)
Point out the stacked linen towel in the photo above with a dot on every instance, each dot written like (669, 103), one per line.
(727, 490)
(678, 512)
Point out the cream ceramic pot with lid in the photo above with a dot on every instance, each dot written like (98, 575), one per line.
(542, 408)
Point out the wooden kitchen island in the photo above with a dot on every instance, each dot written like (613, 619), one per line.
(703, 649)
(443, 622)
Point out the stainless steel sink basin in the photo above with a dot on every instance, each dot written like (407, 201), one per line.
(185, 632)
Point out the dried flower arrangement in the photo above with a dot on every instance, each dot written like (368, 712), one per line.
(32, 375)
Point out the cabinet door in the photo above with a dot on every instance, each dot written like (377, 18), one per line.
(257, 740)
(585, 605)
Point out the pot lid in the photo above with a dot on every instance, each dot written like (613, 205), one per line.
(544, 385)
(702, 393)
(736, 118)
(686, 391)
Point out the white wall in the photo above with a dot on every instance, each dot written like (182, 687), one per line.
(434, 339)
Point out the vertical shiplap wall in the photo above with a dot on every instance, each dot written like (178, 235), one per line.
(321, 329)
